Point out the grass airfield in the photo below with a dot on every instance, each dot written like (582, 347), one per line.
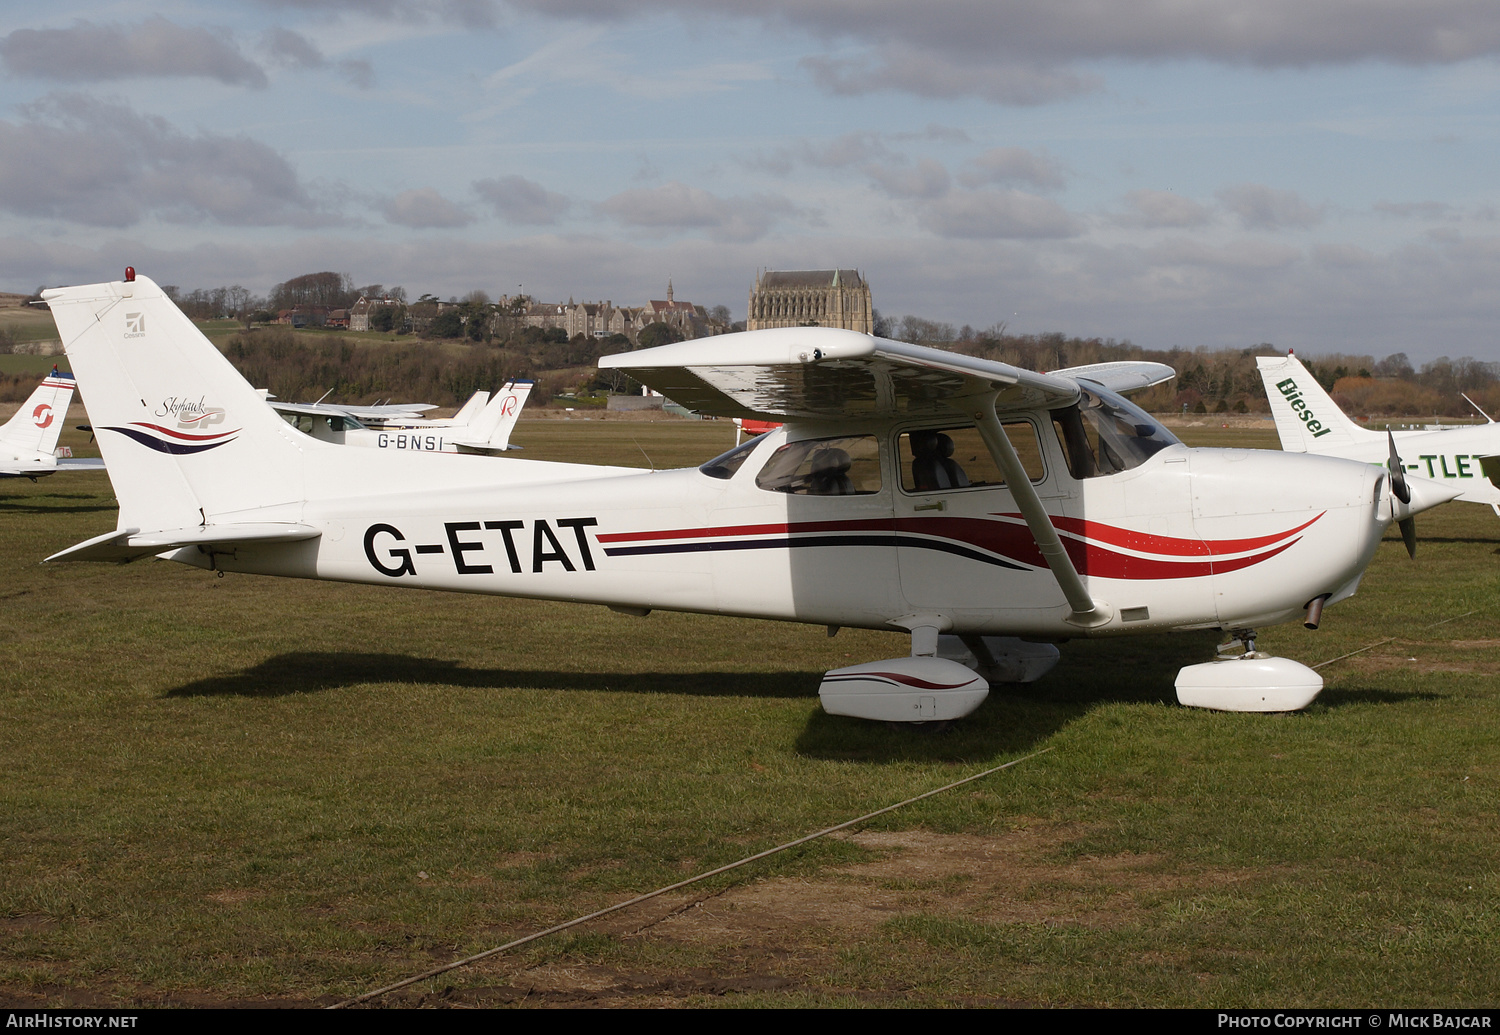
(243, 791)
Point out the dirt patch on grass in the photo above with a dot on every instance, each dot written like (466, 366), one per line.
(1425, 661)
(770, 934)
(1013, 878)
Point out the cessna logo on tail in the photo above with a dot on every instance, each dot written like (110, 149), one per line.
(135, 325)
(1293, 395)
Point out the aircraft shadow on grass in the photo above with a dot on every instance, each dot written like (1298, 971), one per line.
(313, 672)
(37, 503)
(1014, 718)
(1339, 697)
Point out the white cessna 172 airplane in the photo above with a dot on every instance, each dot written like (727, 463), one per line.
(28, 441)
(1309, 421)
(483, 425)
(909, 489)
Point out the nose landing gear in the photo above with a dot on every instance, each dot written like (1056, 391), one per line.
(1247, 680)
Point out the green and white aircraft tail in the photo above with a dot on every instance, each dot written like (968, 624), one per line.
(1466, 457)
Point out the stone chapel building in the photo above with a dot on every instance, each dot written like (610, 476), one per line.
(811, 298)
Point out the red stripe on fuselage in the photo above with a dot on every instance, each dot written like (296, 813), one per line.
(1129, 539)
(1013, 542)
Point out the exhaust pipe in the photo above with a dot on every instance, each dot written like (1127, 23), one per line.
(1315, 611)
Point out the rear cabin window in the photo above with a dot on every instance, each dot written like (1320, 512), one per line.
(939, 459)
(845, 466)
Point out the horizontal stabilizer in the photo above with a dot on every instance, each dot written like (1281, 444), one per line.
(128, 544)
(81, 463)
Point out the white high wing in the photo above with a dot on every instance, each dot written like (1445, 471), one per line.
(28, 441)
(1467, 457)
(964, 501)
(483, 425)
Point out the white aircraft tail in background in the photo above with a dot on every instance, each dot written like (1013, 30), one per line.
(490, 431)
(1308, 421)
(1307, 418)
(483, 425)
(28, 441)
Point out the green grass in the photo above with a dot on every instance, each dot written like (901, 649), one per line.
(218, 790)
(27, 324)
(10, 364)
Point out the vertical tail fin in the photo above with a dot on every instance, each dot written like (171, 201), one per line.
(186, 439)
(471, 410)
(491, 431)
(1307, 419)
(39, 421)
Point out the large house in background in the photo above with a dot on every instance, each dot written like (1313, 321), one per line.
(811, 298)
(601, 319)
(589, 319)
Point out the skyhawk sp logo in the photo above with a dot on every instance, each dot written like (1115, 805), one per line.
(191, 435)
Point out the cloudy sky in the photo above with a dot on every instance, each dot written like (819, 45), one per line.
(1314, 173)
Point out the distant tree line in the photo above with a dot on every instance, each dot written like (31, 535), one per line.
(1208, 381)
(296, 369)
(1227, 380)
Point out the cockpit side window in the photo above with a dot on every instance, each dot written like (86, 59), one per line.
(1102, 434)
(848, 465)
(726, 464)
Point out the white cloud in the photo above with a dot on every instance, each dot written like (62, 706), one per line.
(1013, 166)
(925, 179)
(1018, 52)
(293, 50)
(1265, 208)
(154, 48)
(1155, 209)
(1429, 210)
(1271, 33)
(935, 74)
(471, 14)
(102, 164)
(994, 214)
(677, 207)
(520, 200)
(424, 208)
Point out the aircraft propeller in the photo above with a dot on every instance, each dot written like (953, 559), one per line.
(1402, 492)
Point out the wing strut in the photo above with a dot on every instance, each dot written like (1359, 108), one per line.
(1087, 612)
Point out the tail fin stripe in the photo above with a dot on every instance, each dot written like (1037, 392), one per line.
(175, 448)
(182, 435)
